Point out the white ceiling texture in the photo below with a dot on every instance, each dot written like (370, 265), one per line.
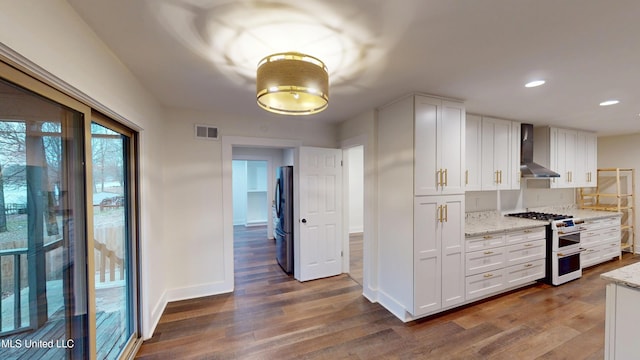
(202, 54)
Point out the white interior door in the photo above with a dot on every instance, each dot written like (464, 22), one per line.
(320, 190)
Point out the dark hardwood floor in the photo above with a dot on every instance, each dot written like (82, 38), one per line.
(272, 316)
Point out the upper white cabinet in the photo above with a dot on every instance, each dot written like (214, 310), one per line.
(516, 144)
(439, 146)
(473, 149)
(493, 154)
(570, 153)
(496, 146)
(587, 160)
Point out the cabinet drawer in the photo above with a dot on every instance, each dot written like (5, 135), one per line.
(601, 223)
(524, 273)
(488, 241)
(610, 234)
(590, 237)
(485, 284)
(590, 257)
(608, 222)
(514, 237)
(609, 250)
(486, 260)
(526, 251)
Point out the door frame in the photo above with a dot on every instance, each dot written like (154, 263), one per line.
(228, 142)
(369, 262)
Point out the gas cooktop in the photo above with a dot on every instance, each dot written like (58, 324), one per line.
(540, 216)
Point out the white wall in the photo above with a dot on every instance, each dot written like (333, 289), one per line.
(52, 40)
(362, 129)
(356, 189)
(194, 173)
(622, 152)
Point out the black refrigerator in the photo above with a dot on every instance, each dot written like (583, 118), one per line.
(284, 218)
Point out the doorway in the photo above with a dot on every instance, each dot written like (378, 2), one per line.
(253, 186)
(354, 174)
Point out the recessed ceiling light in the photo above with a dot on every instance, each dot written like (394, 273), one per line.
(609, 102)
(534, 83)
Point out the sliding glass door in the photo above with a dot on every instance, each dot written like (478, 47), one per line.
(113, 224)
(68, 238)
(44, 305)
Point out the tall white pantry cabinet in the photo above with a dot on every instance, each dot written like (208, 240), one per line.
(421, 146)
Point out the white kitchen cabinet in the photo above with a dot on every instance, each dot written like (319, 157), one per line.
(566, 147)
(586, 159)
(473, 149)
(503, 261)
(514, 153)
(600, 240)
(439, 253)
(439, 146)
(420, 156)
(492, 154)
(496, 148)
(570, 153)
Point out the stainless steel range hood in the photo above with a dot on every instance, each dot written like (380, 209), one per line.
(528, 168)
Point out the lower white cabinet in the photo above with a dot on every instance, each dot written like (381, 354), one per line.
(503, 261)
(600, 240)
(438, 253)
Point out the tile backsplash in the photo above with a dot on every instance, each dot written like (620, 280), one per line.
(517, 200)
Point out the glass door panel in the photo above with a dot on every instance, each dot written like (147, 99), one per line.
(43, 282)
(113, 249)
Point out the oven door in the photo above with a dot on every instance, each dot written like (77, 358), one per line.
(566, 240)
(566, 266)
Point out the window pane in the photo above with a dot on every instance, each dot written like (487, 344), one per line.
(113, 277)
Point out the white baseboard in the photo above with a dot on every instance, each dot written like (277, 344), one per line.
(191, 292)
(154, 317)
(393, 306)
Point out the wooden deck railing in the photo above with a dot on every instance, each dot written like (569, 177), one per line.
(17, 273)
(107, 262)
(106, 256)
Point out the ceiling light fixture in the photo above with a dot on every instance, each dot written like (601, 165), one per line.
(534, 83)
(609, 102)
(292, 84)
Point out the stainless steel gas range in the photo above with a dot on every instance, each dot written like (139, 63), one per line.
(563, 245)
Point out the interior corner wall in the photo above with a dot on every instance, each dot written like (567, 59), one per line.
(194, 204)
(622, 152)
(48, 37)
(365, 126)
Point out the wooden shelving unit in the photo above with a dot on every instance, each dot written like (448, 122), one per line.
(614, 192)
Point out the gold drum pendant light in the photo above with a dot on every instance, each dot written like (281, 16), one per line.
(292, 84)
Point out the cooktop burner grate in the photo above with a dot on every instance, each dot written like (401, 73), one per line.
(540, 216)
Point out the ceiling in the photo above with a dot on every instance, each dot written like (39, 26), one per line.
(201, 54)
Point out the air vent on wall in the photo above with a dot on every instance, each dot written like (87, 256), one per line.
(206, 132)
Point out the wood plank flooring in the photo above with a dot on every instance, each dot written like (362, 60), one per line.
(356, 253)
(272, 316)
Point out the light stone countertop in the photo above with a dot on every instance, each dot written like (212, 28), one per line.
(628, 276)
(493, 222)
(592, 214)
(487, 222)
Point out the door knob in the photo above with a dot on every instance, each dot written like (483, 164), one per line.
(304, 221)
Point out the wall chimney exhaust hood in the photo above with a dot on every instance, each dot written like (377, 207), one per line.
(528, 168)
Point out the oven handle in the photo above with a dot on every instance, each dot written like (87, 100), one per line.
(572, 232)
(564, 255)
